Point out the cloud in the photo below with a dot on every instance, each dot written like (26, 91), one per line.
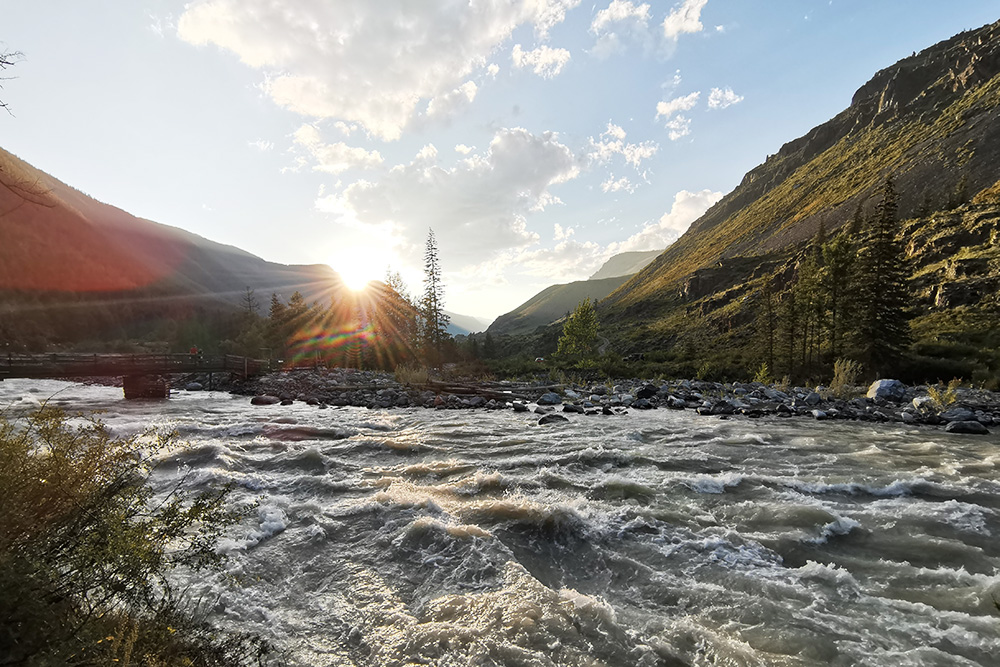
(493, 69)
(334, 158)
(375, 64)
(684, 18)
(560, 233)
(676, 105)
(619, 185)
(721, 98)
(620, 22)
(545, 62)
(477, 208)
(687, 207)
(569, 260)
(612, 142)
(463, 149)
(679, 126)
(450, 102)
(261, 144)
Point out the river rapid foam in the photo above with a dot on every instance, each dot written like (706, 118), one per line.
(414, 536)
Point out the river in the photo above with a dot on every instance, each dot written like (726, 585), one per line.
(415, 536)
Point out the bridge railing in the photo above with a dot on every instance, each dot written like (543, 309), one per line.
(63, 364)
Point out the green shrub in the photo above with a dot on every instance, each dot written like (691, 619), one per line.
(85, 551)
(846, 374)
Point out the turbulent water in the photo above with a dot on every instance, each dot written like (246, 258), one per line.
(657, 538)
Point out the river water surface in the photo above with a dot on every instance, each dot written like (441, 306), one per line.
(415, 537)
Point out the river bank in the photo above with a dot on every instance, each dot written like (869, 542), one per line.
(962, 410)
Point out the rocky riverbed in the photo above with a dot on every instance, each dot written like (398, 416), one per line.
(966, 410)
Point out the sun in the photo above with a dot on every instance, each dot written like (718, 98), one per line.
(357, 268)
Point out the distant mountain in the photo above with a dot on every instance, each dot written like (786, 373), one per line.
(625, 264)
(462, 325)
(551, 304)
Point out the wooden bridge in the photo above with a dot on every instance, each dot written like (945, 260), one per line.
(138, 370)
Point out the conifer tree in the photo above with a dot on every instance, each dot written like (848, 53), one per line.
(880, 289)
(435, 321)
(838, 262)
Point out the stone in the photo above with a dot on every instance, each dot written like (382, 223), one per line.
(642, 404)
(646, 391)
(193, 386)
(571, 395)
(812, 398)
(958, 414)
(972, 427)
(890, 390)
(264, 400)
(549, 398)
(676, 403)
(819, 415)
(553, 418)
(923, 403)
(571, 407)
(520, 407)
(540, 410)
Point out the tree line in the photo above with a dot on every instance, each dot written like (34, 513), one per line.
(848, 299)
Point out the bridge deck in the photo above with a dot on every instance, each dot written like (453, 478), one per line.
(83, 365)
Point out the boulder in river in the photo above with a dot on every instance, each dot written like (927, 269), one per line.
(890, 390)
(973, 427)
(265, 399)
(552, 418)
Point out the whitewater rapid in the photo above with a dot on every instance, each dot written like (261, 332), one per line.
(415, 536)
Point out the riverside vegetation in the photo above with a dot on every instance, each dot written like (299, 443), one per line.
(86, 550)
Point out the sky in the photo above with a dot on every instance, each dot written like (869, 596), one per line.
(537, 138)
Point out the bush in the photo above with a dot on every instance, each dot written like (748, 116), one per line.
(85, 551)
(846, 374)
(410, 375)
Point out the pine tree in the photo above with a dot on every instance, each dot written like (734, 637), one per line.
(839, 256)
(880, 289)
(435, 321)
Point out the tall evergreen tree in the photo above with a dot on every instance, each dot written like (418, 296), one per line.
(838, 262)
(880, 289)
(435, 321)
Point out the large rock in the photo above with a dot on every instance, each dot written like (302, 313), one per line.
(549, 398)
(958, 414)
(973, 427)
(264, 400)
(890, 390)
(553, 418)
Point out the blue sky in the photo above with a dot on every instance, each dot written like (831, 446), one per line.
(537, 137)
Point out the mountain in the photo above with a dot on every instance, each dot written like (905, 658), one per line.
(625, 264)
(551, 304)
(930, 121)
(71, 266)
(461, 325)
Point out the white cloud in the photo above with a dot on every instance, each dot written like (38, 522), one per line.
(493, 69)
(450, 102)
(612, 142)
(687, 207)
(684, 18)
(463, 149)
(620, 22)
(560, 233)
(679, 126)
(569, 260)
(375, 64)
(721, 98)
(261, 144)
(676, 105)
(544, 61)
(478, 208)
(334, 158)
(618, 185)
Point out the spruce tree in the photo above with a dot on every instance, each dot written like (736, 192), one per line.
(838, 263)
(880, 291)
(435, 321)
